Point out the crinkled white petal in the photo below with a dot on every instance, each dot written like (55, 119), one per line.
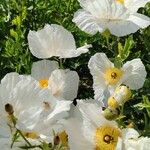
(42, 69)
(119, 145)
(60, 111)
(76, 138)
(119, 27)
(98, 64)
(92, 112)
(5, 144)
(99, 15)
(9, 82)
(86, 22)
(131, 140)
(134, 5)
(129, 133)
(142, 143)
(141, 20)
(27, 100)
(53, 40)
(134, 74)
(77, 52)
(64, 83)
(104, 9)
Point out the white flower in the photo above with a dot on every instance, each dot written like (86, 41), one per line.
(107, 77)
(27, 105)
(61, 83)
(99, 15)
(134, 5)
(54, 40)
(95, 132)
(131, 140)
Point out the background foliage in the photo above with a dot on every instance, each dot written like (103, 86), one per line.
(17, 17)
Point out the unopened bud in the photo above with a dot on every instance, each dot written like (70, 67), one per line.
(9, 109)
(110, 114)
(112, 102)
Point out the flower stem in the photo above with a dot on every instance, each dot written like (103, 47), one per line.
(24, 137)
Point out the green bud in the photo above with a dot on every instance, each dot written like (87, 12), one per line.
(110, 114)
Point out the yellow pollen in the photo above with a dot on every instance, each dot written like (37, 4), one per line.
(61, 138)
(112, 102)
(43, 83)
(106, 137)
(31, 135)
(120, 1)
(113, 75)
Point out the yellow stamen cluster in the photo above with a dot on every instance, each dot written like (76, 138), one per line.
(120, 1)
(106, 137)
(113, 75)
(43, 83)
(61, 138)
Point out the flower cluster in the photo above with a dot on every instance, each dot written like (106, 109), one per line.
(40, 110)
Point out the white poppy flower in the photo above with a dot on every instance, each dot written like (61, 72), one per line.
(133, 5)
(54, 40)
(27, 105)
(61, 83)
(107, 77)
(99, 15)
(95, 132)
(131, 140)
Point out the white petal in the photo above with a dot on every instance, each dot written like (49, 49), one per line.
(27, 100)
(86, 22)
(119, 144)
(53, 40)
(134, 5)
(76, 139)
(74, 53)
(10, 80)
(64, 83)
(99, 62)
(43, 69)
(134, 74)
(89, 130)
(40, 42)
(5, 144)
(98, 65)
(120, 27)
(140, 20)
(129, 133)
(92, 112)
(142, 143)
(60, 111)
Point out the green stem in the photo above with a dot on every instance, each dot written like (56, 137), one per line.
(24, 138)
